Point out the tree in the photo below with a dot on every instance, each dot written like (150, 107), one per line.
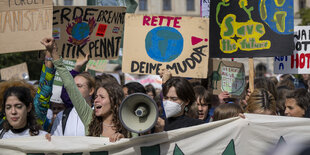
(305, 16)
(34, 65)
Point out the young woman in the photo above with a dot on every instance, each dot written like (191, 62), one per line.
(297, 103)
(261, 101)
(103, 120)
(226, 111)
(178, 98)
(73, 125)
(20, 115)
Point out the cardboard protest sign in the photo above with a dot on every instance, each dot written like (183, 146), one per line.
(23, 24)
(153, 42)
(97, 65)
(19, 71)
(299, 62)
(205, 8)
(155, 80)
(226, 76)
(248, 28)
(79, 30)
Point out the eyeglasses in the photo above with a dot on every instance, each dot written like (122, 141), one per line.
(81, 85)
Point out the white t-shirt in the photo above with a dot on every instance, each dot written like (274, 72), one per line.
(25, 133)
(74, 125)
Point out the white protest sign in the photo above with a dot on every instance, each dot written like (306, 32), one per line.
(205, 8)
(299, 62)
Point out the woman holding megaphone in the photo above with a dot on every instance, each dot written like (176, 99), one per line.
(103, 121)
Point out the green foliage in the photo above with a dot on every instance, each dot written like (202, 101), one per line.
(305, 16)
(34, 65)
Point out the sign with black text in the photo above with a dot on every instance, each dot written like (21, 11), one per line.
(226, 76)
(152, 43)
(97, 30)
(299, 61)
(23, 24)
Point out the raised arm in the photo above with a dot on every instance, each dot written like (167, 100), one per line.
(82, 108)
(44, 92)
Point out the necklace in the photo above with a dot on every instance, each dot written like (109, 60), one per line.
(107, 125)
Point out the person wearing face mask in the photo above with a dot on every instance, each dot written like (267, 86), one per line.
(178, 95)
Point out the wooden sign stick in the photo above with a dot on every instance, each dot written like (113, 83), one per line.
(251, 74)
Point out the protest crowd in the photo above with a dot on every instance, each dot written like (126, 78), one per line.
(89, 105)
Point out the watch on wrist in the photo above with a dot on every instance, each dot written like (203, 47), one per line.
(48, 58)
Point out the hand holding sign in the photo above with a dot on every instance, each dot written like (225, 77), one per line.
(165, 75)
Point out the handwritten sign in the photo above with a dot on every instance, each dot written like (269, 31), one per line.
(226, 76)
(244, 28)
(155, 80)
(299, 61)
(180, 44)
(23, 24)
(79, 30)
(205, 8)
(19, 71)
(97, 65)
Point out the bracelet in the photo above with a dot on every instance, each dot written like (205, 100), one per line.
(48, 58)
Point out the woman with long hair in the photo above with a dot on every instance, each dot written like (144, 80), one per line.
(103, 120)
(261, 101)
(20, 114)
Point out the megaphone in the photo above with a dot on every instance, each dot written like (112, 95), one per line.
(138, 113)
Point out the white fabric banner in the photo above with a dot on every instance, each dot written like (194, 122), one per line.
(254, 135)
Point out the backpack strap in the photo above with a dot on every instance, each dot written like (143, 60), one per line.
(65, 117)
(2, 133)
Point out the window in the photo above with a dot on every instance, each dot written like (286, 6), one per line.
(190, 5)
(302, 4)
(68, 2)
(167, 5)
(142, 5)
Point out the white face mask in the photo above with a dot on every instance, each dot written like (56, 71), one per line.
(171, 108)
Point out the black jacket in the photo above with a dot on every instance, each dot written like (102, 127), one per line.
(181, 122)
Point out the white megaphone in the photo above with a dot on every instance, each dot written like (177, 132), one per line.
(138, 113)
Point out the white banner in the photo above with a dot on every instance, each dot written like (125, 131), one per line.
(255, 135)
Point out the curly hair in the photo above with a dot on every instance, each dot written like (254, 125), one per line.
(14, 82)
(116, 95)
(23, 94)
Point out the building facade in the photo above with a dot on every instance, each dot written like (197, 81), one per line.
(169, 7)
(70, 2)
